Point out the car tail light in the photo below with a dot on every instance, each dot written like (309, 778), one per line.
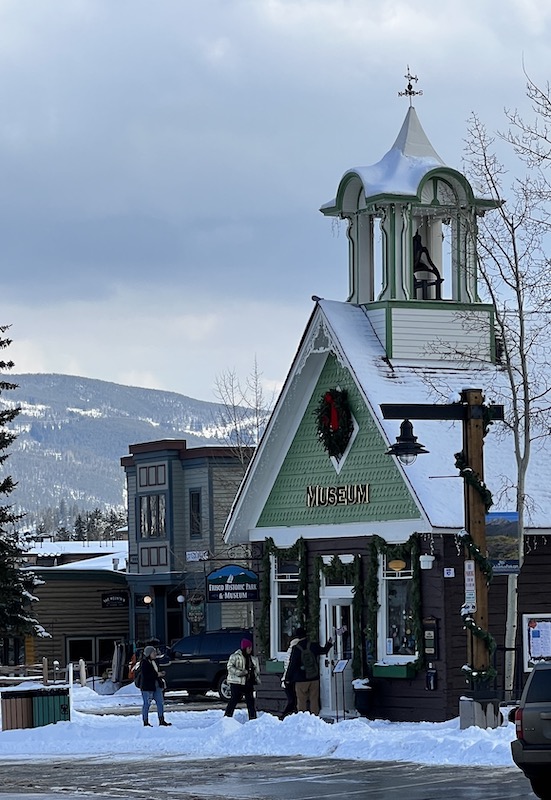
(518, 724)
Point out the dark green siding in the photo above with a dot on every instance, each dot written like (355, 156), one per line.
(307, 463)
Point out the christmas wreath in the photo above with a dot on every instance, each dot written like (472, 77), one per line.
(334, 422)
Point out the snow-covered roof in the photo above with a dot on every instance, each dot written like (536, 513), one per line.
(401, 170)
(433, 477)
(110, 556)
(434, 481)
(52, 549)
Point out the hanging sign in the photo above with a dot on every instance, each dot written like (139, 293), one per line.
(114, 599)
(502, 566)
(232, 583)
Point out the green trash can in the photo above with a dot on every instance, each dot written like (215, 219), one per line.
(50, 705)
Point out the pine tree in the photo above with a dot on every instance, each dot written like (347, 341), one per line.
(15, 585)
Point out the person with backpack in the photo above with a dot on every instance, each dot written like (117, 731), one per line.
(303, 671)
(150, 681)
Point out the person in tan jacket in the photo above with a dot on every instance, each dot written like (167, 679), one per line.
(243, 675)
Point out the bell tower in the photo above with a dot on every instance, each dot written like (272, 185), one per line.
(412, 261)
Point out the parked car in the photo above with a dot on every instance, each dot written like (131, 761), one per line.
(531, 749)
(198, 663)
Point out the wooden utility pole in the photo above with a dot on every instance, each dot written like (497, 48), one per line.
(475, 517)
(471, 413)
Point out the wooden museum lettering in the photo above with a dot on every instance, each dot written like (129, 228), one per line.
(350, 495)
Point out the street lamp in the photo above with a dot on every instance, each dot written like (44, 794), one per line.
(406, 448)
(471, 412)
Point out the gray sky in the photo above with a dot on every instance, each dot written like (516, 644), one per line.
(162, 164)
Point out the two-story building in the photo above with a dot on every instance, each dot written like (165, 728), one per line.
(178, 501)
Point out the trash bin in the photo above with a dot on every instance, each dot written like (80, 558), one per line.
(50, 705)
(34, 708)
(17, 710)
(363, 701)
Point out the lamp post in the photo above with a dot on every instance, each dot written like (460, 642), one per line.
(470, 410)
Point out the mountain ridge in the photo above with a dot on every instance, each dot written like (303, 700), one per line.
(72, 432)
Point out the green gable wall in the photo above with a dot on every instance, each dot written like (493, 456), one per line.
(307, 464)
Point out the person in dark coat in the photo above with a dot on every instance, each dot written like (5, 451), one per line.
(307, 689)
(288, 688)
(151, 684)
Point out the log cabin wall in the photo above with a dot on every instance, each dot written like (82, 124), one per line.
(404, 699)
(70, 606)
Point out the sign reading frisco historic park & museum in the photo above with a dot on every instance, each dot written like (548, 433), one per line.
(232, 583)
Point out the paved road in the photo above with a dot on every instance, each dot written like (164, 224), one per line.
(254, 778)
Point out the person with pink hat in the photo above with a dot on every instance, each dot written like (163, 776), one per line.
(243, 675)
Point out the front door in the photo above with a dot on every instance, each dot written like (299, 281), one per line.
(336, 690)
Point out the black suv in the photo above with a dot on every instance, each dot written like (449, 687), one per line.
(198, 663)
(531, 749)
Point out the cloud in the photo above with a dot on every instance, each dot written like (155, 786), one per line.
(143, 338)
(162, 165)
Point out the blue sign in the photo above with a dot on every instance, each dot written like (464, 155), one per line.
(503, 566)
(233, 583)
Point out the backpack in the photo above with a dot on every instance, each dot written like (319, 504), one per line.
(309, 663)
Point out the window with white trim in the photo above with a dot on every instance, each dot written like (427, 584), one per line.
(397, 640)
(284, 605)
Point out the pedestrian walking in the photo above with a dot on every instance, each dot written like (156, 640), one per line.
(288, 687)
(243, 675)
(151, 684)
(304, 671)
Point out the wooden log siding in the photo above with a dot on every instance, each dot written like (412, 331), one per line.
(72, 607)
(534, 588)
(442, 598)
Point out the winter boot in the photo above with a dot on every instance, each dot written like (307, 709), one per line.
(162, 721)
(147, 724)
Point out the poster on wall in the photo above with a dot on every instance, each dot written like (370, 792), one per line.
(232, 583)
(536, 635)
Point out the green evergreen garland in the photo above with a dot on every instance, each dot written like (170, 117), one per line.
(473, 479)
(465, 539)
(296, 552)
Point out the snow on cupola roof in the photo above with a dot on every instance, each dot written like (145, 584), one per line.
(401, 169)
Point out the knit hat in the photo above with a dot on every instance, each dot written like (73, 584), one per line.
(149, 651)
(246, 643)
(301, 633)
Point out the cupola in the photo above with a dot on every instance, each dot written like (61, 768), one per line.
(412, 248)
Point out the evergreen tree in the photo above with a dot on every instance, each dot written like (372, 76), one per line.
(15, 585)
(80, 529)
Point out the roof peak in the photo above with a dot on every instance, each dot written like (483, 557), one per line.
(412, 140)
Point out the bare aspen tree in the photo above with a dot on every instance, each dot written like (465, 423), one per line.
(244, 410)
(514, 271)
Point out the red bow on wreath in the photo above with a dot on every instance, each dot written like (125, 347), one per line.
(333, 420)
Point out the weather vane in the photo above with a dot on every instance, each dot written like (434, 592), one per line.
(409, 92)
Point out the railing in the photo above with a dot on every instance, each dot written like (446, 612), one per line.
(46, 672)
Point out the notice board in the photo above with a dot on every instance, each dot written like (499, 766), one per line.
(536, 638)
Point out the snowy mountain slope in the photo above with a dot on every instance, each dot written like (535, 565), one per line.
(72, 432)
